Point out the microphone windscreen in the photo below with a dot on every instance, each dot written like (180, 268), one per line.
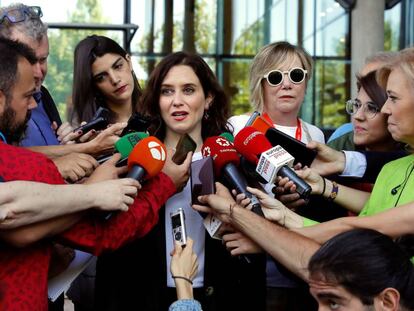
(228, 136)
(149, 153)
(250, 143)
(261, 124)
(222, 152)
(126, 143)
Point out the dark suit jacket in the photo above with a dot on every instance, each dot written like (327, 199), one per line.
(134, 277)
(50, 107)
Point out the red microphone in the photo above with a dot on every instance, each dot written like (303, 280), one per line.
(226, 160)
(251, 143)
(271, 161)
(146, 159)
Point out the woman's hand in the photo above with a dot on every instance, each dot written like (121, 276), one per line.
(184, 264)
(107, 170)
(105, 140)
(239, 244)
(328, 161)
(218, 203)
(314, 180)
(273, 209)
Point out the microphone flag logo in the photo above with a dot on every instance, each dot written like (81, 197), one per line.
(222, 142)
(157, 151)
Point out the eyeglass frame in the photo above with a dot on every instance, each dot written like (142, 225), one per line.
(266, 76)
(33, 12)
(368, 114)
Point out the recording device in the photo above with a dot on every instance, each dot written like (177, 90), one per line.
(184, 146)
(99, 121)
(270, 161)
(202, 178)
(137, 123)
(295, 147)
(124, 146)
(226, 160)
(146, 159)
(179, 231)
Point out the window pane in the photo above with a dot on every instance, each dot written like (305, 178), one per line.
(330, 27)
(284, 21)
(247, 26)
(392, 24)
(98, 11)
(205, 25)
(329, 90)
(236, 84)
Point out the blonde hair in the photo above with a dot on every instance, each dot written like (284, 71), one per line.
(404, 62)
(270, 57)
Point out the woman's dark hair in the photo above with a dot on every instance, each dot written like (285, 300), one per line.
(365, 262)
(372, 88)
(86, 97)
(219, 109)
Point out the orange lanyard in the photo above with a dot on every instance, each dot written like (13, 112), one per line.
(298, 134)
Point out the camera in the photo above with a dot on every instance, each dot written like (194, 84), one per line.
(178, 226)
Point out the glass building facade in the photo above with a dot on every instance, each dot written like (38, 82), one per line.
(227, 33)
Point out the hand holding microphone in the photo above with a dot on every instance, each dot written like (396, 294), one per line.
(146, 159)
(226, 160)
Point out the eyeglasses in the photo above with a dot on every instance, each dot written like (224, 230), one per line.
(19, 15)
(370, 109)
(275, 77)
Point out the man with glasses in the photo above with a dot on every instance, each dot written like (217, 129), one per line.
(22, 23)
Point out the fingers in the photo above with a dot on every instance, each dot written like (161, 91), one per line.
(87, 136)
(114, 159)
(201, 208)
(259, 194)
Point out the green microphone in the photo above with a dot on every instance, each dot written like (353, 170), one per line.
(124, 146)
(227, 136)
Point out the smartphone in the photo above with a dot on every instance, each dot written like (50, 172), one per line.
(295, 147)
(202, 179)
(99, 121)
(179, 231)
(184, 146)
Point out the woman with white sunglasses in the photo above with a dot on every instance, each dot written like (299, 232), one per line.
(278, 79)
(279, 75)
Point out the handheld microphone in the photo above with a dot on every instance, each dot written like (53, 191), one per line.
(228, 136)
(99, 121)
(124, 146)
(146, 159)
(226, 160)
(270, 161)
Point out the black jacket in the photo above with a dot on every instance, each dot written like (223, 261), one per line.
(134, 277)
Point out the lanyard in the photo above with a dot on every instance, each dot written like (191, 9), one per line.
(298, 134)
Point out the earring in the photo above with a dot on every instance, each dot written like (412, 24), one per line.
(206, 115)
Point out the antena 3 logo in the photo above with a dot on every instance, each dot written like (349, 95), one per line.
(223, 142)
(157, 151)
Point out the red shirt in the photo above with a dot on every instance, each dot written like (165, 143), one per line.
(23, 272)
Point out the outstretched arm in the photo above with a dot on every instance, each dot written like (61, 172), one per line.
(394, 222)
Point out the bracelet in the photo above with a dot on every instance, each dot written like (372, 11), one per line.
(232, 205)
(182, 277)
(334, 192)
(324, 186)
